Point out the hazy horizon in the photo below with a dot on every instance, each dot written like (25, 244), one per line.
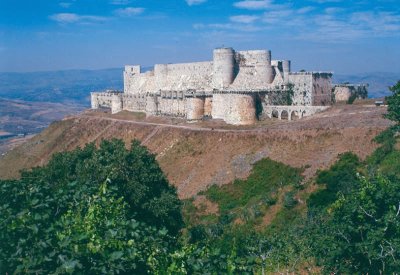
(328, 35)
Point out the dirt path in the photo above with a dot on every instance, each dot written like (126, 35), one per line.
(335, 118)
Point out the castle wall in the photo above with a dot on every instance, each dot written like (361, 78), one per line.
(104, 99)
(171, 106)
(311, 88)
(116, 103)
(178, 77)
(223, 67)
(322, 89)
(302, 88)
(208, 106)
(151, 107)
(261, 61)
(190, 69)
(342, 94)
(237, 109)
(134, 103)
(94, 100)
(195, 108)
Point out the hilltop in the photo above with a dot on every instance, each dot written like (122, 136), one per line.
(197, 155)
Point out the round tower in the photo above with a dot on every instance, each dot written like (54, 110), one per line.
(223, 67)
(286, 70)
(263, 66)
(286, 66)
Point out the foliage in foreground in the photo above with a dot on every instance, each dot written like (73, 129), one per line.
(358, 230)
(362, 230)
(106, 210)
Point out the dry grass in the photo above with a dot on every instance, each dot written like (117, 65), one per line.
(194, 160)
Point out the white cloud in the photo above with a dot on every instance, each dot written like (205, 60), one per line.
(130, 11)
(328, 24)
(277, 16)
(195, 2)
(305, 10)
(253, 4)
(246, 19)
(66, 18)
(333, 10)
(228, 26)
(327, 1)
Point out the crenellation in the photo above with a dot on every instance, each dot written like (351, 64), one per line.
(227, 88)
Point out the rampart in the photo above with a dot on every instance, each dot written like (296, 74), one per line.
(232, 87)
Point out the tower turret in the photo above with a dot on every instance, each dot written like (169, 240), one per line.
(263, 66)
(223, 67)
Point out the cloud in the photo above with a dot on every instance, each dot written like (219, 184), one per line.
(327, 1)
(67, 18)
(246, 19)
(195, 2)
(277, 16)
(333, 10)
(305, 10)
(228, 26)
(253, 4)
(129, 11)
(65, 4)
(120, 2)
(328, 24)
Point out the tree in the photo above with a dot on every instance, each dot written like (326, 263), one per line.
(137, 174)
(362, 234)
(393, 103)
(90, 211)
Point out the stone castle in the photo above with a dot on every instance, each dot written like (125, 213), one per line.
(238, 87)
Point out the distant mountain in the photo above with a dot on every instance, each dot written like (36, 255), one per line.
(72, 86)
(378, 82)
(18, 116)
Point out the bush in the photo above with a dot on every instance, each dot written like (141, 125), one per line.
(393, 102)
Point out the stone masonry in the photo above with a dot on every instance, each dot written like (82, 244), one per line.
(238, 87)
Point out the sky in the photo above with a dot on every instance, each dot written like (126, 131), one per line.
(342, 36)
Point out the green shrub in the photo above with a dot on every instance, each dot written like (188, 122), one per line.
(266, 178)
(85, 211)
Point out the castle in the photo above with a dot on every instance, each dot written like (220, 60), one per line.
(238, 87)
